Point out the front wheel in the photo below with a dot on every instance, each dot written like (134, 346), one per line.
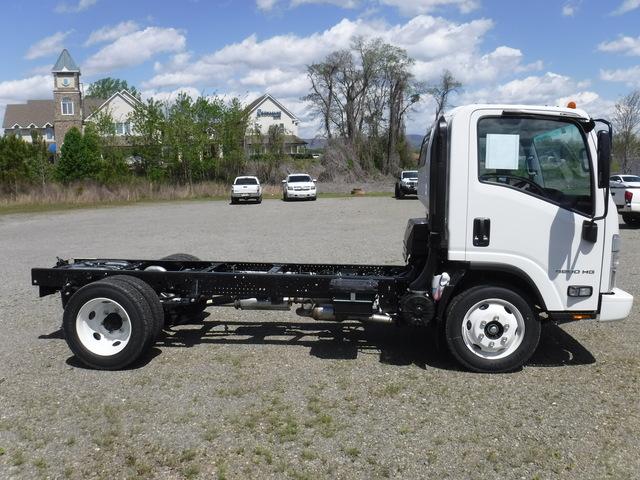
(491, 329)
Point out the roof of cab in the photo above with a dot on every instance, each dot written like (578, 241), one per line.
(532, 109)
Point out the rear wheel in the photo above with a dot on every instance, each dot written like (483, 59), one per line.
(152, 299)
(491, 329)
(399, 193)
(108, 324)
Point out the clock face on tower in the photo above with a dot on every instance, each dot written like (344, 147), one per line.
(65, 82)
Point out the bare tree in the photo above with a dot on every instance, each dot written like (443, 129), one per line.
(626, 120)
(441, 92)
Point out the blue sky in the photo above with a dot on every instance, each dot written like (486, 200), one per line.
(543, 51)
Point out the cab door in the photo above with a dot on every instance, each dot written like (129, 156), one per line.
(531, 188)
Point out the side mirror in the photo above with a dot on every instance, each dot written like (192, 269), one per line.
(284, 181)
(604, 158)
(314, 180)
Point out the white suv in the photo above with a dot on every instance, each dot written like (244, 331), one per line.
(246, 188)
(299, 185)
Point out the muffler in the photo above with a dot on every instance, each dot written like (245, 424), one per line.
(255, 304)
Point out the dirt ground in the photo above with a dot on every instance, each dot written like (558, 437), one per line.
(262, 395)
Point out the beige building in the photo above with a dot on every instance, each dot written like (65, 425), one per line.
(69, 108)
(266, 112)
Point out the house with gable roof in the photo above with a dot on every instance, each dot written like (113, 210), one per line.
(265, 112)
(69, 108)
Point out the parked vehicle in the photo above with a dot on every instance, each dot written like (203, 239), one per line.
(625, 190)
(246, 188)
(406, 183)
(510, 239)
(299, 185)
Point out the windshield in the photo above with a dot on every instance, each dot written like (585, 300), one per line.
(630, 178)
(299, 178)
(246, 181)
(542, 157)
(411, 174)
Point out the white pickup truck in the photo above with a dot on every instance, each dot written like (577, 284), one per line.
(625, 190)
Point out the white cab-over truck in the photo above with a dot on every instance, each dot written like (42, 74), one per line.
(625, 190)
(519, 229)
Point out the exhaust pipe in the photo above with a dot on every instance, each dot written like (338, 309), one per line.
(326, 312)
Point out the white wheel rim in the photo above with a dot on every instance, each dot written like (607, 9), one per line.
(493, 329)
(103, 326)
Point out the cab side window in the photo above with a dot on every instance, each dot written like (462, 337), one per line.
(546, 158)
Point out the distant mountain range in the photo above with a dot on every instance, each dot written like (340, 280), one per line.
(321, 143)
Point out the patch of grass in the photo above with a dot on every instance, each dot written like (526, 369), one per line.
(191, 471)
(222, 471)
(40, 463)
(211, 432)
(1, 451)
(70, 441)
(188, 454)
(390, 390)
(265, 453)
(308, 455)
(17, 458)
(353, 452)
(68, 471)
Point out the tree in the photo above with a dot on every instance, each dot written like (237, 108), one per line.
(626, 120)
(14, 155)
(442, 91)
(71, 165)
(105, 87)
(39, 162)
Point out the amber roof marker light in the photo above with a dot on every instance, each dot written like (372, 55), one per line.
(572, 104)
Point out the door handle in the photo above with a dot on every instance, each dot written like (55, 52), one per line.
(481, 232)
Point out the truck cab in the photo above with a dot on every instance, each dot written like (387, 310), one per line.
(518, 212)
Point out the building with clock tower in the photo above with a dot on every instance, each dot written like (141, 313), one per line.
(67, 97)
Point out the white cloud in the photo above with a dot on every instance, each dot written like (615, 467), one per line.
(82, 5)
(418, 7)
(625, 45)
(267, 5)
(135, 48)
(629, 76)
(626, 6)
(571, 7)
(111, 32)
(406, 7)
(19, 91)
(48, 45)
(171, 95)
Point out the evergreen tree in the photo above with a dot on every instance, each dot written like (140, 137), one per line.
(71, 165)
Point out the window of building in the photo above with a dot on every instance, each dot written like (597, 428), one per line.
(48, 133)
(67, 106)
(123, 128)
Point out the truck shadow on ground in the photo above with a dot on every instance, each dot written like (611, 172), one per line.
(394, 346)
(329, 340)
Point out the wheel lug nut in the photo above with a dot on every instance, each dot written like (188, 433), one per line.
(504, 340)
(480, 337)
(491, 344)
(483, 324)
(496, 318)
(506, 327)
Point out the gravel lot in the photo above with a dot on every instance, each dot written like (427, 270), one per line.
(271, 395)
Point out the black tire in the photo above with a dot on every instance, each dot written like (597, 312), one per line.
(234, 201)
(631, 219)
(152, 300)
(136, 308)
(399, 193)
(479, 358)
(285, 197)
(181, 257)
(259, 200)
